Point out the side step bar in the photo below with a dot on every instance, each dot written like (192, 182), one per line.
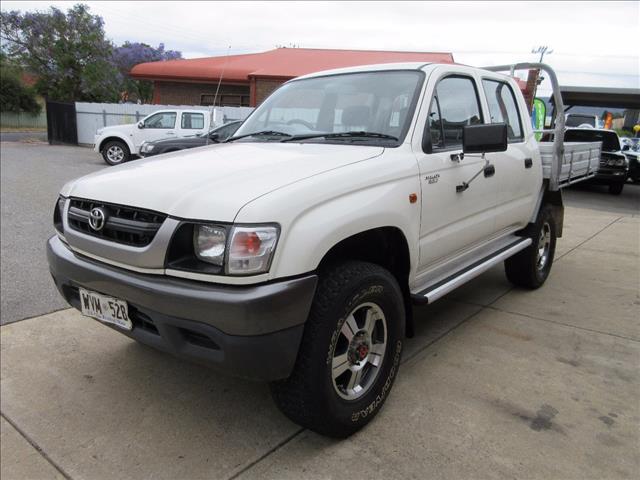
(440, 289)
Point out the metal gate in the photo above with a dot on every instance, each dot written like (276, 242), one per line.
(61, 123)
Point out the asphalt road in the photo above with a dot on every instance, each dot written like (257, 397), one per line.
(31, 177)
(33, 173)
(596, 197)
(23, 136)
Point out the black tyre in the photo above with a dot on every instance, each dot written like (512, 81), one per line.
(530, 267)
(350, 351)
(616, 188)
(115, 152)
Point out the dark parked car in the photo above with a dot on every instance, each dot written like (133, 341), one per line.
(217, 135)
(614, 166)
(632, 152)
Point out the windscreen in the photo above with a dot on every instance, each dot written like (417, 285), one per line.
(577, 120)
(380, 102)
(610, 142)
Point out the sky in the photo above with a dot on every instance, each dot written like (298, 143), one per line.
(594, 43)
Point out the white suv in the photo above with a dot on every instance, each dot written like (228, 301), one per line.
(119, 143)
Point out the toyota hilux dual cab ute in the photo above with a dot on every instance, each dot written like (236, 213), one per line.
(294, 252)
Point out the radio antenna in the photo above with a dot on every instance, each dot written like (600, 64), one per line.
(215, 97)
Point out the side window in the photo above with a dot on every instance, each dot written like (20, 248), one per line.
(227, 131)
(503, 107)
(161, 120)
(454, 105)
(192, 121)
(435, 124)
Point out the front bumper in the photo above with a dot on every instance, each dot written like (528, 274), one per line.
(611, 175)
(249, 331)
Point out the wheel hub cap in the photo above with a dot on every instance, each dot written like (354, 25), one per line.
(115, 154)
(544, 245)
(359, 351)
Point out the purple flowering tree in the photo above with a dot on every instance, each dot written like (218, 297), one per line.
(67, 52)
(133, 53)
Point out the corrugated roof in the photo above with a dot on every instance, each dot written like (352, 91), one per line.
(281, 62)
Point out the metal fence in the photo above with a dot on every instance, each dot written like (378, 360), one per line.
(92, 116)
(23, 120)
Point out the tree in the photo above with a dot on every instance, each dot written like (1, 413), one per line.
(15, 96)
(133, 53)
(67, 53)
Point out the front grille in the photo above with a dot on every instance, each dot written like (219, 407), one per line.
(126, 225)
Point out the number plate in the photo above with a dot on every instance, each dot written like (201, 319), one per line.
(106, 309)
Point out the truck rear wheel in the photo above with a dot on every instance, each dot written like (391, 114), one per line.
(530, 267)
(115, 152)
(350, 351)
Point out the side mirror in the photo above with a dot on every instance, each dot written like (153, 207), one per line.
(484, 138)
(140, 124)
(625, 148)
(214, 136)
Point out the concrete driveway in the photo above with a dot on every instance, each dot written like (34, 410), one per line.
(498, 382)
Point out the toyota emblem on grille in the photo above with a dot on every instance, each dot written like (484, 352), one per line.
(97, 219)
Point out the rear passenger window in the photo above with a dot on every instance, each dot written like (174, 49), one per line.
(503, 108)
(192, 121)
(454, 105)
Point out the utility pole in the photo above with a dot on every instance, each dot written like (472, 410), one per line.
(542, 50)
(535, 79)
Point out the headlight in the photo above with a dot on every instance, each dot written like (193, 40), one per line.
(617, 162)
(147, 147)
(220, 249)
(251, 249)
(209, 243)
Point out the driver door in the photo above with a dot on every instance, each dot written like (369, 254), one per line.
(452, 222)
(159, 126)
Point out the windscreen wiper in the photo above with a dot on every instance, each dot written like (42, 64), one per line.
(263, 133)
(351, 134)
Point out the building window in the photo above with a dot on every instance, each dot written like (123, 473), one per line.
(225, 100)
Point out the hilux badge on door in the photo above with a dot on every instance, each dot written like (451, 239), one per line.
(97, 219)
(432, 178)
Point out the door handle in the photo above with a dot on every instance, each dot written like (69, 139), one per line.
(528, 162)
(171, 133)
(489, 171)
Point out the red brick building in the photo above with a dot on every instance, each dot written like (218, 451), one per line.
(246, 80)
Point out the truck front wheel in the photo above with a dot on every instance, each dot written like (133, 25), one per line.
(530, 267)
(115, 152)
(616, 188)
(350, 351)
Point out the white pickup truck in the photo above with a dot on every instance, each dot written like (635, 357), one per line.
(118, 143)
(294, 252)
